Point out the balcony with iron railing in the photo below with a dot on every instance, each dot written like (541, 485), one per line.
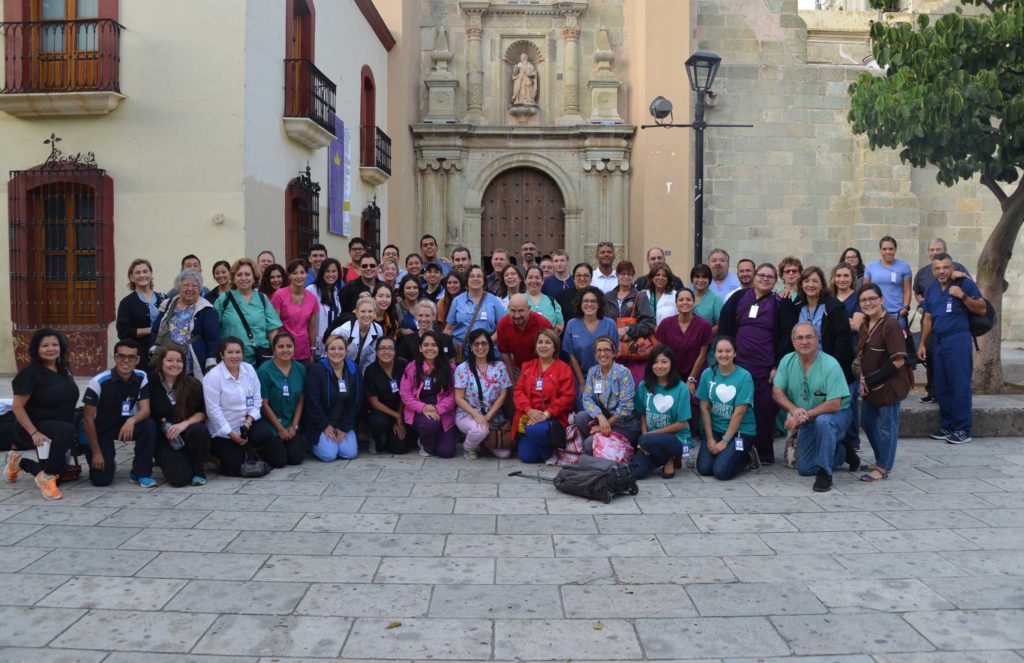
(309, 103)
(374, 155)
(54, 68)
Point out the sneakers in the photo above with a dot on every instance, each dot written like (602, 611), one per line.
(941, 434)
(959, 437)
(928, 399)
(823, 482)
(48, 486)
(12, 468)
(470, 454)
(145, 482)
(198, 480)
(425, 453)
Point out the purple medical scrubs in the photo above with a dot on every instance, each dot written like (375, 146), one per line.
(755, 351)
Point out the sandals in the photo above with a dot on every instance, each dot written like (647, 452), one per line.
(869, 478)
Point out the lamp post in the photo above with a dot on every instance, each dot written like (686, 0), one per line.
(701, 68)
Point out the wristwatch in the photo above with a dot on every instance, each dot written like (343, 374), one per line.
(692, 379)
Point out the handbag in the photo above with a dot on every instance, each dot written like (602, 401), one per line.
(264, 353)
(613, 446)
(789, 454)
(573, 448)
(253, 466)
(499, 437)
(556, 434)
(637, 349)
(472, 321)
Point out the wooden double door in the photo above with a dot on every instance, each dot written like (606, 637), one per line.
(522, 204)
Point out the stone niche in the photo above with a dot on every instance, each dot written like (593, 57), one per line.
(568, 134)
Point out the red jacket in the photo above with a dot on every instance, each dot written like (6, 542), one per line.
(557, 396)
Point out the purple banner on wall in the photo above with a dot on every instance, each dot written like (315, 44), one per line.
(336, 180)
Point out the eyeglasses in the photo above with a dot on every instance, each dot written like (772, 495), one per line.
(869, 300)
(481, 344)
(766, 276)
(373, 266)
(603, 351)
(628, 275)
(124, 357)
(590, 302)
(791, 271)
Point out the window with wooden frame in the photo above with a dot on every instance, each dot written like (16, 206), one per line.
(302, 216)
(367, 119)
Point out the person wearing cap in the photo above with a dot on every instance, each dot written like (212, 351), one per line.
(432, 275)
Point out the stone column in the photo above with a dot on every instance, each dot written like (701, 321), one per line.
(474, 61)
(431, 214)
(571, 67)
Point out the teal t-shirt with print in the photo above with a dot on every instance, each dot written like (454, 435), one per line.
(824, 381)
(725, 392)
(664, 407)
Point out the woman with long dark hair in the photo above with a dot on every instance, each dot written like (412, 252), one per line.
(282, 384)
(45, 396)
(452, 285)
(273, 279)
(222, 277)
(298, 310)
(853, 258)
(481, 387)
(428, 394)
(726, 394)
(177, 408)
(381, 384)
(332, 404)
(663, 403)
(327, 291)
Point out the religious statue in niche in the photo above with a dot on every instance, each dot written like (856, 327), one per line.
(524, 82)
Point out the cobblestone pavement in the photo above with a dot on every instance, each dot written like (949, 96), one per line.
(406, 558)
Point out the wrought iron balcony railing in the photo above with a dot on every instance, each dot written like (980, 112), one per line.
(309, 93)
(375, 148)
(82, 55)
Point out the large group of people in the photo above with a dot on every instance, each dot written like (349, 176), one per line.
(319, 359)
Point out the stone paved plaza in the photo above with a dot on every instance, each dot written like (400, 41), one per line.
(406, 558)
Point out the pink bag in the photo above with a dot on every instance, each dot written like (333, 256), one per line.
(573, 448)
(613, 447)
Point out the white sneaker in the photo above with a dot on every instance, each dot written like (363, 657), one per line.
(425, 453)
(471, 454)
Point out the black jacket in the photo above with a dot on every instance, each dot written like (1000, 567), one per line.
(835, 331)
(133, 314)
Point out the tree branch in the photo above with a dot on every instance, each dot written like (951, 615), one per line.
(988, 4)
(997, 190)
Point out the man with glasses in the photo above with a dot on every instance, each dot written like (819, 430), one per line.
(117, 409)
(353, 270)
(811, 388)
(367, 280)
(722, 280)
(581, 275)
(605, 278)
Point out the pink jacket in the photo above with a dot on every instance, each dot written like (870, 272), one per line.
(410, 391)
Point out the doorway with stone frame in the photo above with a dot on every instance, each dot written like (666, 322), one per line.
(522, 204)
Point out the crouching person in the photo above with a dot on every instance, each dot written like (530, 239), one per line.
(811, 388)
(117, 410)
(179, 414)
(333, 398)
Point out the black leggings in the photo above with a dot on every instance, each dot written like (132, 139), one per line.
(62, 435)
(262, 442)
(294, 449)
(382, 430)
(180, 466)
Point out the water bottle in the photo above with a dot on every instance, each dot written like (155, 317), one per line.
(177, 443)
(686, 456)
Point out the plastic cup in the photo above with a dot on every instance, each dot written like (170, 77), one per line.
(43, 451)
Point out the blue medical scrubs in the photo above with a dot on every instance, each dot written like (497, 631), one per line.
(952, 353)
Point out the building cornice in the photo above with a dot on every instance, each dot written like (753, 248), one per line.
(376, 21)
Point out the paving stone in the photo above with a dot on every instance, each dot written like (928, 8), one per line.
(500, 505)
(575, 505)
(544, 524)
(1002, 500)
(976, 592)
(626, 601)
(436, 571)
(999, 517)
(818, 542)
(37, 625)
(715, 488)
(951, 657)
(455, 490)
(849, 634)
(961, 472)
(322, 504)
(655, 570)
(368, 488)
(92, 563)
(20, 655)
(408, 505)
(94, 592)
(565, 571)
(441, 639)
(446, 524)
(284, 543)
(149, 657)
(391, 545)
(752, 599)
(302, 488)
(697, 545)
(8, 510)
(201, 566)
(215, 483)
(785, 568)
(838, 522)
(124, 630)
(950, 501)
(62, 515)
(31, 496)
(923, 540)
(11, 533)
(180, 540)
(390, 475)
(971, 630)
(67, 536)
(743, 522)
(872, 594)
(365, 600)
(215, 502)
(496, 601)
(318, 568)
(646, 524)
(868, 503)
(897, 565)
(26, 589)
(16, 558)
(139, 499)
(253, 598)
(929, 519)
(565, 639)
(1004, 538)
(242, 520)
(275, 636)
(774, 504)
(499, 545)
(166, 518)
(953, 485)
(709, 636)
(682, 505)
(618, 545)
(347, 522)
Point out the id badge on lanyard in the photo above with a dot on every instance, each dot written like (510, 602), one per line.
(753, 310)
(428, 383)
(599, 387)
(342, 386)
(394, 386)
(250, 401)
(949, 305)
(126, 407)
(539, 384)
(285, 392)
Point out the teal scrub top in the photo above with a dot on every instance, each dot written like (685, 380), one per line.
(272, 387)
(824, 381)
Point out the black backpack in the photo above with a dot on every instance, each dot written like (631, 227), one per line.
(596, 481)
(982, 324)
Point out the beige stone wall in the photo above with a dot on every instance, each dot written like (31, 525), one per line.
(799, 182)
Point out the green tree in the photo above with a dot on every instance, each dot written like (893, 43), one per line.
(952, 97)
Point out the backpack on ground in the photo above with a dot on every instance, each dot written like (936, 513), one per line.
(593, 478)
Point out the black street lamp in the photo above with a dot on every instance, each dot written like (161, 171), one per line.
(701, 68)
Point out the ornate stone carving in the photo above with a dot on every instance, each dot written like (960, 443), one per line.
(571, 33)
(604, 86)
(440, 82)
(524, 82)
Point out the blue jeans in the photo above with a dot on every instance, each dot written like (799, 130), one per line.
(660, 448)
(853, 430)
(726, 464)
(535, 443)
(819, 443)
(328, 450)
(882, 426)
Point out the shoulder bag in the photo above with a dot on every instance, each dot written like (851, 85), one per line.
(472, 321)
(500, 434)
(636, 349)
(263, 352)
